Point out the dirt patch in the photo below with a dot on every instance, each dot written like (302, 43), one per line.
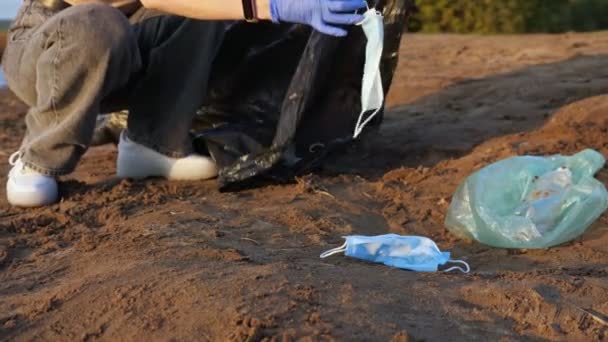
(157, 260)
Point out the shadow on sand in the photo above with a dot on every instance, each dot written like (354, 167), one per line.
(450, 123)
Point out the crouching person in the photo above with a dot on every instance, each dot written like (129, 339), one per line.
(71, 60)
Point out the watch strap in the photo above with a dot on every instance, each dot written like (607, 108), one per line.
(250, 10)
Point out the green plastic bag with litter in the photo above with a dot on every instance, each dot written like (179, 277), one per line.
(530, 202)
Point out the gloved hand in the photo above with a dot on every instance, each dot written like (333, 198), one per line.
(323, 15)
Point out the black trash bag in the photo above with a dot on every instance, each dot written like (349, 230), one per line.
(283, 97)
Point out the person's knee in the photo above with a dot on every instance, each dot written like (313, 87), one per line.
(96, 28)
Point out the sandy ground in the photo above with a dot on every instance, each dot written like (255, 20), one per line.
(121, 260)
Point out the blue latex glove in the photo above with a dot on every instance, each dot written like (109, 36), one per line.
(325, 16)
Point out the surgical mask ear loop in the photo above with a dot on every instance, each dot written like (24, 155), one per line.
(467, 270)
(334, 251)
(361, 125)
(367, 5)
(368, 8)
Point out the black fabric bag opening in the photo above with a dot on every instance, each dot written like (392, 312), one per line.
(283, 97)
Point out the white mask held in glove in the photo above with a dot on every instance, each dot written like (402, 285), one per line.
(372, 92)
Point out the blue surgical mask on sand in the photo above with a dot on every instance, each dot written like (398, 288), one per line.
(412, 253)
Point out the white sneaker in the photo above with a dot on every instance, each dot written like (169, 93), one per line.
(137, 161)
(28, 188)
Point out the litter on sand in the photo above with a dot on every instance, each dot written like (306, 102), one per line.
(413, 253)
(530, 202)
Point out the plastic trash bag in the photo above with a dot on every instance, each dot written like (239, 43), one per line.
(530, 202)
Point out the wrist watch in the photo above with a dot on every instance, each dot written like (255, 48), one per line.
(250, 11)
